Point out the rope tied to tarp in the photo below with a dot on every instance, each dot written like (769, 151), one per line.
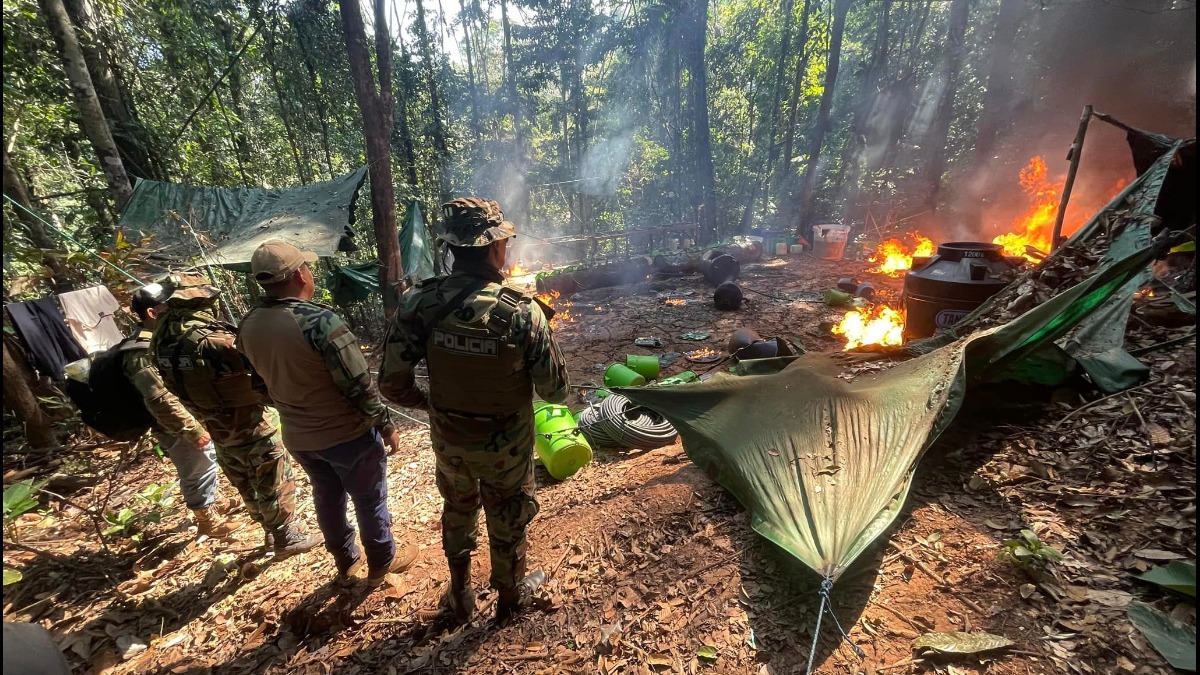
(826, 587)
(71, 239)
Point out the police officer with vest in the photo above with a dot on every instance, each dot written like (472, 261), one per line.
(488, 348)
(199, 363)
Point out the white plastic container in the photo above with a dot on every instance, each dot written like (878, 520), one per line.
(781, 248)
(796, 249)
(829, 240)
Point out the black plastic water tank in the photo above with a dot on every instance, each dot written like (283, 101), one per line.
(940, 290)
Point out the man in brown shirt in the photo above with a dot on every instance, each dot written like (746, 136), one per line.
(333, 420)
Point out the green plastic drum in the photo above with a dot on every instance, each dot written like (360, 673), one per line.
(557, 441)
(646, 366)
(621, 375)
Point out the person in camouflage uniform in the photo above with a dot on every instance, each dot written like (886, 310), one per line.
(488, 348)
(182, 439)
(334, 424)
(199, 364)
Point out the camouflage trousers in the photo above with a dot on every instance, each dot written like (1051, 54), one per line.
(264, 478)
(500, 480)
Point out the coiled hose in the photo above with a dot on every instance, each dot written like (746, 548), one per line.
(616, 423)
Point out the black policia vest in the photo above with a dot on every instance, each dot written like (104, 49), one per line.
(474, 365)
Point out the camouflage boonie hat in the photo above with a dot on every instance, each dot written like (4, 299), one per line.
(190, 290)
(472, 221)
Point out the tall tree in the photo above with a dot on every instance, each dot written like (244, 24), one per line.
(935, 141)
(14, 189)
(868, 97)
(19, 398)
(771, 120)
(375, 104)
(430, 62)
(91, 116)
(999, 93)
(789, 134)
(131, 137)
(808, 187)
(695, 26)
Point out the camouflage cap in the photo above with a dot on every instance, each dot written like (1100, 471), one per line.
(190, 290)
(473, 221)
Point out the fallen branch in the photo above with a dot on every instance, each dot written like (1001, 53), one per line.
(1085, 406)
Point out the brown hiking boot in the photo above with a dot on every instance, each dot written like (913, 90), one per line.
(457, 604)
(210, 525)
(405, 556)
(347, 577)
(291, 540)
(512, 601)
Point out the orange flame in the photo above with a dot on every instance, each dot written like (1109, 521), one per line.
(562, 314)
(893, 257)
(1035, 227)
(517, 270)
(877, 325)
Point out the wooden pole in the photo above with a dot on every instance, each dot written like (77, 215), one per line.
(1073, 155)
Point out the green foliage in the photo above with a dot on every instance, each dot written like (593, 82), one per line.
(12, 576)
(1029, 552)
(154, 501)
(19, 499)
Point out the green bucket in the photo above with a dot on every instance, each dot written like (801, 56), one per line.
(621, 375)
(646, 366)
(557, 441)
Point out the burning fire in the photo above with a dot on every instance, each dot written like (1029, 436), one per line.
(877, 325)
(517, 270)
(562, 314)
(675, 302)
(1035, 227)
(893, 257)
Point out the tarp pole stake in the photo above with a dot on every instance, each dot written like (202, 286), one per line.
(826, 586)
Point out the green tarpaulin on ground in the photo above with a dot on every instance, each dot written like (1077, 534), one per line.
(356, 282)
(823, 458)
(229, 223)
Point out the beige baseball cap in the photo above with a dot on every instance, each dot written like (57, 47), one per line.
(276, 260)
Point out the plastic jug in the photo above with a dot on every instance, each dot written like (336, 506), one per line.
(621, 375)
(559, 445)
(646, 366)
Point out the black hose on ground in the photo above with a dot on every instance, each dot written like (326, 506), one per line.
(616, 423)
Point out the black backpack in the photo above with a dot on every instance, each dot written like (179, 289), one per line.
(108, 402)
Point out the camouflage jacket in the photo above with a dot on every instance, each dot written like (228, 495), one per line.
(170, 417)
(199, 363)
(409, 336)
(315, 371)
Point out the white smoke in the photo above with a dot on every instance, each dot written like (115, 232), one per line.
(605, 163)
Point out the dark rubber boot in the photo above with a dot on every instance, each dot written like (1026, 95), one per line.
(457, 605)
(513, 601)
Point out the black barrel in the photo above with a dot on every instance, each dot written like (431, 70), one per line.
(940, 290)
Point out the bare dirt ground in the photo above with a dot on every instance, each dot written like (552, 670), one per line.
(653, 568)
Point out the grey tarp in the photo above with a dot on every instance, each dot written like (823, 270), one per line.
(824, 463)
(231, 222)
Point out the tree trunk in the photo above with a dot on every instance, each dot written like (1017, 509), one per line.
(14, 189)
(789, 136)
(469, 49)
(430, 61)
(939, 131)
(134, 143)
(402, 136)
(695, 42)
(91, 116)
(318, 92)
(867, 101)
(998, 97)
(785, 44)
(302, 171)
(19, 398)
(808, 188)
(375, 106)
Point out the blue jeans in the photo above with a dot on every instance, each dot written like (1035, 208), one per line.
(197, 469)
(357, 469)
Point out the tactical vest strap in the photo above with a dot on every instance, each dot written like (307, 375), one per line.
(509, 300)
